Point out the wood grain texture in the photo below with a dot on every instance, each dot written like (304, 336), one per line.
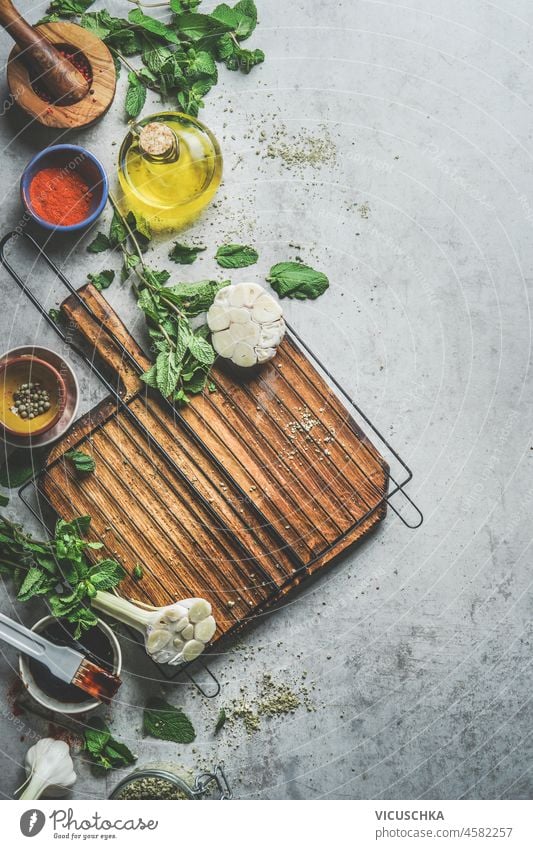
(85, 111)
(273, 480)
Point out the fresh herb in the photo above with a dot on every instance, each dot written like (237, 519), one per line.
(177, 58)
(221, 720)
(58, 569)
(56, 315)
(236, 256)
(4, 500)
(138, 572)
(183, 356)
(103, 749)
(296, 280)
(100, 243)
(184, 254)
(166, 722)
(20, 466)
(82, 462)
(102, 280)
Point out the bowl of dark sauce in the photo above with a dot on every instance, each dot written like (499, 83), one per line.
(98, 644)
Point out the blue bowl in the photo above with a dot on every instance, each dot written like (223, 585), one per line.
(72, 158)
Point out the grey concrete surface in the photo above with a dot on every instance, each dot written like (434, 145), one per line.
(416, 648)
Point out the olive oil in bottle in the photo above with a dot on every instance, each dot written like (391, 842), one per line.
(170, 166)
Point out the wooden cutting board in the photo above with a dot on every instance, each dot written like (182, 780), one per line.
(236, 498)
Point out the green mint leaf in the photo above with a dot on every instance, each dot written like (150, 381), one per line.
(68, 8)
(180, 6)
(166, 722)
(138, 572)
(167, 373)
(106, 574)
(236, 256)
(81, 524)
(155, 56)
(195, 381)
(140, 228)
(99, 244)
(242, 19)
(157, 277)
(202, 350)
(83, 463)
(153, 25)
(104, 750)
(184, 254)
(102, 279)
(296, 280)
(4, 500)
(197, 27)
(117, 230)
(30, 584)
(221, 720)
(194, 298)
(150, 377)
(135, 95)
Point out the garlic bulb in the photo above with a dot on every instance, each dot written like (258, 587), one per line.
(246, 323)
(49, 769)
(177, 633)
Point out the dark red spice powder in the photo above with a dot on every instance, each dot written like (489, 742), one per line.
(60, 196)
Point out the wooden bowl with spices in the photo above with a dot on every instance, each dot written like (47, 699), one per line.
(64, 188)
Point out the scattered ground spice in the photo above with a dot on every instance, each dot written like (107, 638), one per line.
(273, 699)
(302, 150)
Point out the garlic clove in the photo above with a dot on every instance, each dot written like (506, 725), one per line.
(205, 629)
(272, 334)
(249, 333)
(192, 650)
(188, 632)
(266, 309)
(199, 609)
(218, 317)
(157, 640)
(163, 656)
(181, 625)
(174, 614)
(265, 354)
(178, 643)
(244, 355)
(223, 343)
(244, 294)
(238, 315)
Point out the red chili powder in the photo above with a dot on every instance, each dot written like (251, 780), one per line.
(60, 196)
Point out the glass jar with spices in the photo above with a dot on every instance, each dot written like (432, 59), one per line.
(165, 782)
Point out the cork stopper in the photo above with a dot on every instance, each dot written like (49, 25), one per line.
(158, 141)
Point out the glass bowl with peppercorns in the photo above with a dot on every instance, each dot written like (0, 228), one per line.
(64, 188)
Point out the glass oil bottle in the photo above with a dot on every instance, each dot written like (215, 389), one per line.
(170, 166)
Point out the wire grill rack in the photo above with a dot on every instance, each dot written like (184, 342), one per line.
(137, 417)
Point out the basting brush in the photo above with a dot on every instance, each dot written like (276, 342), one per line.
(64, 663)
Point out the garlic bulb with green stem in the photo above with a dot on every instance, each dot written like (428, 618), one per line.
(174, 634)
(49, 769)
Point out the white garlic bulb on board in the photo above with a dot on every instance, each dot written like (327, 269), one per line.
(246, 324)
